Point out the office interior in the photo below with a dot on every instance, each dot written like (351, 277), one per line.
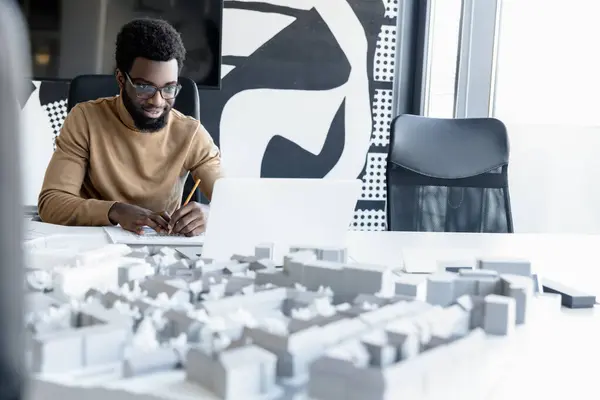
(453, 58)
(372, 62)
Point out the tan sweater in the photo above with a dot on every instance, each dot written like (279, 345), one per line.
(101, 159)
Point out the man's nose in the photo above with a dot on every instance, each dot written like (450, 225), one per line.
(157, 100)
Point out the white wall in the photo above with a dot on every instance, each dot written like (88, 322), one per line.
(554, 175)
(37, 144)
(548, 62)
(547, 93)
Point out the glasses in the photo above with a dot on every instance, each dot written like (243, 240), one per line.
(146, 91)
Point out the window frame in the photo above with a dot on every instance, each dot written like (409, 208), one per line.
(476, 71)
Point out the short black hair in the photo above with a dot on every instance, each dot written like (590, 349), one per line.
(154, 39)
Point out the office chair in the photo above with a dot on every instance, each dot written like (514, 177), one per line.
(91, 87)
(448, 175)
(14, 72)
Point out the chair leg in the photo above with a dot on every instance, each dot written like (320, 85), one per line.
(507, 207)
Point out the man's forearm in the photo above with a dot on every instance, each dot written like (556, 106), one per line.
(57, 207)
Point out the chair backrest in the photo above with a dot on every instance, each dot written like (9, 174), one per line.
(448, 175)
(90, 87)
(14, 72)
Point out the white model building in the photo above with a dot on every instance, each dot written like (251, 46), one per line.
(244, 329)
(72, 338)
(246, 372)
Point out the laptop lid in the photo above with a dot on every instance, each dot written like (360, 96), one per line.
(245, 212)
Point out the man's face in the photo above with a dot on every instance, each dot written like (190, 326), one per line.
(149, 108)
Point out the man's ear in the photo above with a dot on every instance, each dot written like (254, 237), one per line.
(120, 79)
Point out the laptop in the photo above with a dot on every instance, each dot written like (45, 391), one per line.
(245, 212)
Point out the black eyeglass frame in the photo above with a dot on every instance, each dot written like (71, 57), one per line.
(154, 89)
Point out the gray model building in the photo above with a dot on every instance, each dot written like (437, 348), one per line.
(246, 372)
(244, 329)
(74, 339)
(345, 280)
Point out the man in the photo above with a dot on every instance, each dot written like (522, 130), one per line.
(123, 160)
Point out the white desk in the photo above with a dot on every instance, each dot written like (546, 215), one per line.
(568, 258)
(559, 358)
(557, 362)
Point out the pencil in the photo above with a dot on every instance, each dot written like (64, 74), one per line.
(191, 193)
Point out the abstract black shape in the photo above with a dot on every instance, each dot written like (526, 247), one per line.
(285, 159)
(53, 91)
(26, 94)
(303, 56)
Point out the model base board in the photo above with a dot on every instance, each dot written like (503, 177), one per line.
(133, 323)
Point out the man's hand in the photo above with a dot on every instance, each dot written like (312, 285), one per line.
(188, 220)
(133, 218)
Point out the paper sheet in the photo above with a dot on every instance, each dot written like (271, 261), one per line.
(149, 237)
(35, 230)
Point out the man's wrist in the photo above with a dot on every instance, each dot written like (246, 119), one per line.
(114, 212)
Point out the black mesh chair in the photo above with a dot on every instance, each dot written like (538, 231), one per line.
(448, 175)
(91, 87)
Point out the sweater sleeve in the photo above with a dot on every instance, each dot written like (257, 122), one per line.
(60, 200)
(204, 160)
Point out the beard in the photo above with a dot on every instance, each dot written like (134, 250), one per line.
(140, 120)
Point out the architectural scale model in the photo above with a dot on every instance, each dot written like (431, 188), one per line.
(318, 327)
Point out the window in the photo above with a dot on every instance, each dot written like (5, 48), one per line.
(442, 52)
(548, 62)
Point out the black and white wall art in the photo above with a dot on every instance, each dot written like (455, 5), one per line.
(306, 93)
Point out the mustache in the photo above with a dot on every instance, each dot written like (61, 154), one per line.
(151, 109)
